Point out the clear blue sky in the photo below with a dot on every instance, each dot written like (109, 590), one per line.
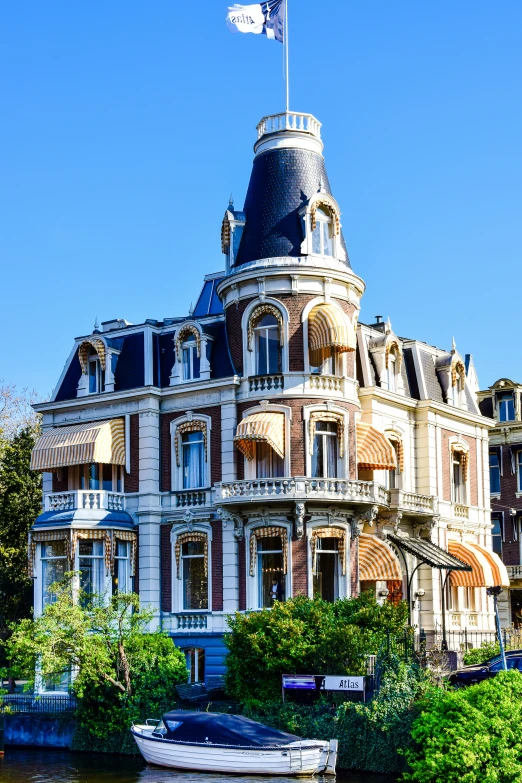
(125, 126)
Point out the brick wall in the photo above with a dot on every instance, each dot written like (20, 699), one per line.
(132, 479)
(242, 574)
(508, 499)
(217, 566)
(299, 567)
(166, 568)
(61, 480)
(447, 467)
(166, 448)
(295, 305)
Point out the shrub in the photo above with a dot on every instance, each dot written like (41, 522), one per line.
(304, 636)
(480, 654)
(473, 735)
(105, 715)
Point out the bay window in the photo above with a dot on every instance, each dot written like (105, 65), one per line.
(270, 569)
(98, 476)
(121, 579)
(194, 576)
(92, 566)
(54, 566)
(325, 450)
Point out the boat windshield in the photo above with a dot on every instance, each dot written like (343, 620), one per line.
(174, 724)
(160, 728)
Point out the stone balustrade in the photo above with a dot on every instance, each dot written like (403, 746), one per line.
(460, 511)
(298, 121)
(301, 488)
(410, 501)
(514, 571)
(266, 383)
(85, 499)
(325, 382)
(185, 498)
(192, 622)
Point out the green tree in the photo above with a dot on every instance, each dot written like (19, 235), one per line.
(121, 672)
(472, 735)
(304, 635)
(20, 504)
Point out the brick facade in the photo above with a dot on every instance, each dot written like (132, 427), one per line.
(132, 479)
(299, 567)
(166, 568)
(508, 499)
(166, 445)
(217, 566)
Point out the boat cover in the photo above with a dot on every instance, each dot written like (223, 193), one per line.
(220, 729)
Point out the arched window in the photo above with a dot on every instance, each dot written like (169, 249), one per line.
(269, 554)
(328, 550)
(190, 444)
(93, 360)
(191, 553)
(323, 233)
(326, 443)
(190, 358)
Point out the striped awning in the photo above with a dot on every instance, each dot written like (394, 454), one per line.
(267, 426)
(328, 328)
(374, 450)
(85, 349)
(396, 440)
(377, 561)
(487, 568)
(80, 444)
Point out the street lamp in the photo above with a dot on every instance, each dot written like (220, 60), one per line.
(494, 592)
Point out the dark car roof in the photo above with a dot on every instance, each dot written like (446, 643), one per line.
(490, 661)
(221, 729)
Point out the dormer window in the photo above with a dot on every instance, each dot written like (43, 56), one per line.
(323, 234)
(266, 337)
(95, 372)
(190, 358)
(456, 391)
(506, 407)
(392, 370)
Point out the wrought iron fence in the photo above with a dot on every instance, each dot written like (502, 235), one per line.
(464, 640)
(29, 704)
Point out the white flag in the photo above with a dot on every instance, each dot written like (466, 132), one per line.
(266, 18)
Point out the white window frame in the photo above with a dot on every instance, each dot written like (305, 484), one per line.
(519, 471)
(74, 475)
(305, 213)
(324, 222)
(99, 558)
(463, 500)
(39, 594)
(343, 465)
(178, 599)
(188, 445)
(496, 493)
(190, 346)
(250, 357)
(251, 465)
(252, 582)
(129, 586)
(257, 332)
(344, 582)
(176, 473)
(197, 651)
(505, 402)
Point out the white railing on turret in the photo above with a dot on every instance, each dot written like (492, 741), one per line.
(297, 121)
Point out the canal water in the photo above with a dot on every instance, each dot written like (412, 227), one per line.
(33, 766)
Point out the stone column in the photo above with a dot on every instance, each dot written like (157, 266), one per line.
(232, 537)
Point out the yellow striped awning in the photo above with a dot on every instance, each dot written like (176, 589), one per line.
(267, 426)
(374, 450)
(80, 444)
(328, 329)
(377, 561)
(85, 349)
(482, 573)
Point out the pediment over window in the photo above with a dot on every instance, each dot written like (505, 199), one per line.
(386, 351)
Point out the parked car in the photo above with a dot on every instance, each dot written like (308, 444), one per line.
(469, 675)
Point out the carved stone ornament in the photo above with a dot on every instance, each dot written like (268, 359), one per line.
(188, 520)
(235, 520)
(299, 520)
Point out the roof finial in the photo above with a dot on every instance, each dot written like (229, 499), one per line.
(231, 201)
(388, 325)
(96, 329)
(453, 345)
(191, 310)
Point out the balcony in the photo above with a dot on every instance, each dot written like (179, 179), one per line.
(514, 571)
(325, 382)
(294, 121)
(411, 502)
(300, 488)
(191, 622)
(460, 511)
(85, 499)
(190, 498)
(266, 383)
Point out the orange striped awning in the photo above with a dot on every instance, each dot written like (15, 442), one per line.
(374, 450)
(328, 328)
(396, 439)
(377, 561)
(482, 573)
(500, 574)
(80, 444)
(267, 426)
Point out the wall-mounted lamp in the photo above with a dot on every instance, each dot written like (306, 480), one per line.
(384, 593)
(420, 593)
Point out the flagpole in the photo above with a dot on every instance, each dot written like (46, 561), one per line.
(286, 59)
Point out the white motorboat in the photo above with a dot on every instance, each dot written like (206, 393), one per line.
(211, 742)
